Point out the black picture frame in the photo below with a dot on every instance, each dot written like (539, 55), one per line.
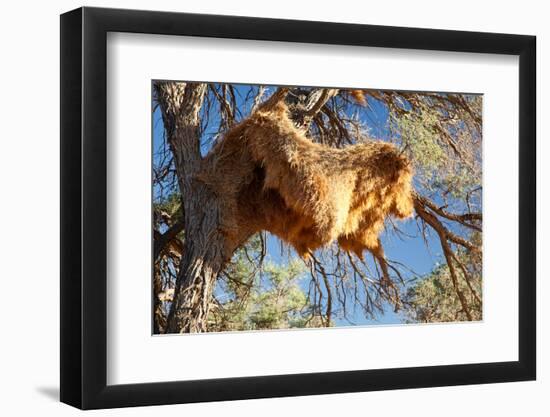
(84, 207)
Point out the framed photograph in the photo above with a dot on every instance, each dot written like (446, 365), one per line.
(257, 208)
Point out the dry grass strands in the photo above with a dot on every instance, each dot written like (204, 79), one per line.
(270, 176)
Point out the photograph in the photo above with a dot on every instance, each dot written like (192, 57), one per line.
(297, 207)
(244, 208)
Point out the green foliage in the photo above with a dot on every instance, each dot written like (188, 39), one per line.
(418, 135)
(433, 298)
(279, 303)
(445, 150)
(167, 212)
(442, 135)
(170, 205)
(268, 298)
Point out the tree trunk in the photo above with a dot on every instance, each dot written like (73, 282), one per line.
(204, 251)
(203, 257)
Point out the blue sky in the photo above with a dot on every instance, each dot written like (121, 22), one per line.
(411, 251)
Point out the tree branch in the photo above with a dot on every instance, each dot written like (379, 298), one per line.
(460, 218)
(443, 234)
(180, 105)
(278, 96)
(305, 105)
(161, 240)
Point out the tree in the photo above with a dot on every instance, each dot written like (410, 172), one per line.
(271, 299)
(440, 133)
(203, 253)
(431, 298)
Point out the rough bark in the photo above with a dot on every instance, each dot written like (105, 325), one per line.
(304, 105)
(158, 317)
(164, 239)
(204, 250)
(204, 255)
